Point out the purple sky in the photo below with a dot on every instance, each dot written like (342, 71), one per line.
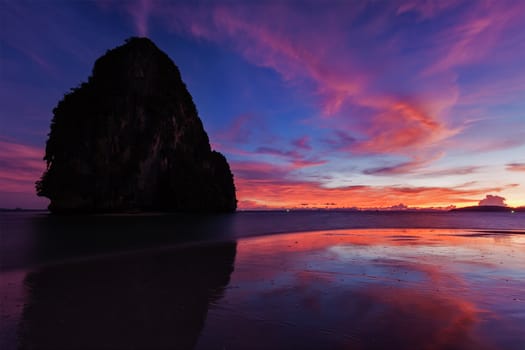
(315, 103)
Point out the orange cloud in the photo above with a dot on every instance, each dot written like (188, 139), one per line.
(277, 192)
(401, 128)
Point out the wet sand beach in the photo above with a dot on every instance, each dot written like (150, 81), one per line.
(327, 289)
(375, 289)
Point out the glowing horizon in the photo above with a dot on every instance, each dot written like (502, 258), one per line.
(355, 104)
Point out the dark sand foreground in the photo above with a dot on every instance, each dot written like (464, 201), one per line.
(357, 289)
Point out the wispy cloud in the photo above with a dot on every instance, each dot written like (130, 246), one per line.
(295, 157)
(20, 166)
(340, 140)
(302, 143)
(461, 170)
(516, 167)
(140, 10)
(238, 131)
(401, 168)
(426, 9)
(400, 129)
(478, 32)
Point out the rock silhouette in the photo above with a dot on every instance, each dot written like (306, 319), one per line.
(130, 138)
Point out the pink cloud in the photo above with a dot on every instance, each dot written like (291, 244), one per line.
(278, 152)
(302, 143)
(289, 52)
(516, 167)
(493, 200)
(141, 11)
(475, 35)
(20, 166)
(252, 205)
(258, 170)
(267, 35)
(303, 163)
(398, 125)
(400, 129)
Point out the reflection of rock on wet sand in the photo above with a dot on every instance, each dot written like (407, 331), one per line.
(141, 301)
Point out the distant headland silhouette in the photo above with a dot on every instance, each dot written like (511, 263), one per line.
(490, 208)
(130, 139)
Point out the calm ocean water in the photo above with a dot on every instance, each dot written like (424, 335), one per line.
(335, 280)
(28, 238)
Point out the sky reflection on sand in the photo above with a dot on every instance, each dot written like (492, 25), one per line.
(414, 288)
(330, 289)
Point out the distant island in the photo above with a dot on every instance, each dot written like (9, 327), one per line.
(130, 139)
(489, 208)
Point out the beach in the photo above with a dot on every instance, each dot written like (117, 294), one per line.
(364, 288)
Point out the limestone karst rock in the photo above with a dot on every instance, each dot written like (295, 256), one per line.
(130, 139)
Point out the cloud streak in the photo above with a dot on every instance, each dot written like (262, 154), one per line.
(516, 167)
(20, 165)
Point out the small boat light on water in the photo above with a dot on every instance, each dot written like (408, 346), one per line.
(512, 211)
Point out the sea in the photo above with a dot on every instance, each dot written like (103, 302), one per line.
(263, 279)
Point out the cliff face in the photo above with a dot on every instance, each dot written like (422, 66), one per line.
(131, 139)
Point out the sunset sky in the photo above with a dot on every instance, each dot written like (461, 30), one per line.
(367, 104)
